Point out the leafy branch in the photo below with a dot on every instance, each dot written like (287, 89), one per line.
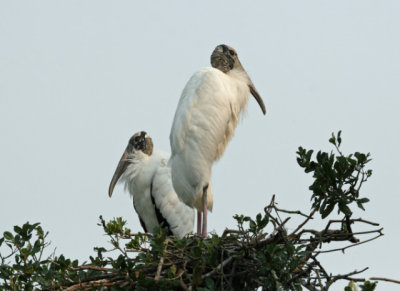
(260, 252)
(337, 178)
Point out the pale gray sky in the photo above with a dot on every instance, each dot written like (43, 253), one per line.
(78, 78)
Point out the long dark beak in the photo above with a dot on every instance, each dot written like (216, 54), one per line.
(254, 92)
(122, 165)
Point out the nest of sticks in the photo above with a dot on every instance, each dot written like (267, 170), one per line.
(263, 254)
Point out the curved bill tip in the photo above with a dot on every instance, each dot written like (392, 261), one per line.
(114, 181)
(111, 188)
(122, 165)
(258, 98)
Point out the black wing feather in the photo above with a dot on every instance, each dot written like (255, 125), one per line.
(160, 218)
(140, 219)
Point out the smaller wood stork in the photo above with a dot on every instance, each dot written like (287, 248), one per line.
(208, 112)
(148, 179)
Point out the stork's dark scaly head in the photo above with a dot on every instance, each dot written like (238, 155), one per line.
(225, 59)
(139, 142)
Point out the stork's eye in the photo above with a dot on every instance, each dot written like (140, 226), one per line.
(232, 53)
(137, 138)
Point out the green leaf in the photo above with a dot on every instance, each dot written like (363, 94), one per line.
(339, 139)
(362, 158)
(246, 218)
(258, 218)
(252, 225)
(18, 230)
(363, 200)
(360, 205)
(332, 140)
(36, 247)
(196, 252)
(309, 154)
(171, 271)
(368, 286)
(8, 235)
(328, 210)
(345, 209)
(210, 283)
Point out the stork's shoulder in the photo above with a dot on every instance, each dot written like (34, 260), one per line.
(160, 158)
(210, 71)
(208, 74)
(156, 160)
(160, 155)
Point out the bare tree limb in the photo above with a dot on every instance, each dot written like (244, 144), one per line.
(384, 279)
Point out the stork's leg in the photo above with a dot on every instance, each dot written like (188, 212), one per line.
(198, 222)
(205, 211)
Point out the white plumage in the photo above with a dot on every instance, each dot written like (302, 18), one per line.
(197, 137)
(147, 177)
(208, 112)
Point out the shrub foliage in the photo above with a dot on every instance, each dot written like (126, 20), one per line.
(260, 252)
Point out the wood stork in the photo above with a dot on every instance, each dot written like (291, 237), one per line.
(147, 177)
(208, 111)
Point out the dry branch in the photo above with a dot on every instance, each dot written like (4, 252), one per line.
(384, 279)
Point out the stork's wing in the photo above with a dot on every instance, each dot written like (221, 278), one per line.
(203, 111)
(177, 215)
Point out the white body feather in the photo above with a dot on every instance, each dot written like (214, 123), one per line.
(206, 117)
(146, 173)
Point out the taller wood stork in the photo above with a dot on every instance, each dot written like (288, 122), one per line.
(207, 114)
(148, 179)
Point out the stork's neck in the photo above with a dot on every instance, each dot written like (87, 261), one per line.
(239, 74)
(137, 160)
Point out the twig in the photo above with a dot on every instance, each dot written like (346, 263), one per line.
(280, 224)
(228, 231)
(302, 224)
(334, 235)
(346, 277)
(160, 264)
(320, 266)
(91, 284)
(319, 278)
(268, 208)
(384, 279)
(274, 234)
(183, 285)
(218, 268)
(291, 212)
(89, 267)
(351, 220)
(349, 246)
(233, 272)
(159, 268)
(365, 221)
